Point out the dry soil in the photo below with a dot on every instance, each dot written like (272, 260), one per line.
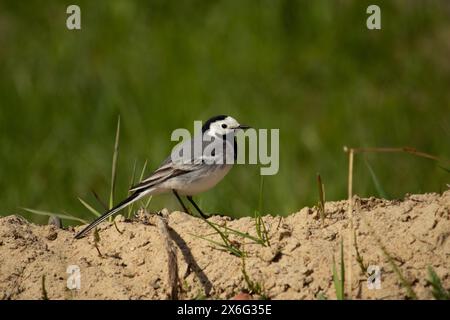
(298, 264)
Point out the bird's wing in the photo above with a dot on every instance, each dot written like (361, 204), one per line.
(163, 173)
(169, 168)
(179, 163)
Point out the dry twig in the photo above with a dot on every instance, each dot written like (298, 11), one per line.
(171, 257)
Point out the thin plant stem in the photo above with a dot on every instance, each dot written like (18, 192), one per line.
(350, 216)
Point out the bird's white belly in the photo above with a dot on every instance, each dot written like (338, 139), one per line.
(188, 185)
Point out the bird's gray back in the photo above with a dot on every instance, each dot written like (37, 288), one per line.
(201, 156)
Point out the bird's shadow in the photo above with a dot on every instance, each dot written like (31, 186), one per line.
(190, 260)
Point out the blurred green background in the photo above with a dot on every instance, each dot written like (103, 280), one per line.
(310, 68)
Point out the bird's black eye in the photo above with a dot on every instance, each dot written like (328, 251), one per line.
(224, 126)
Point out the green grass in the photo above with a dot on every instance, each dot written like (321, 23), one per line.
(321, 296)
(59, 215)
(405, 283)
(226, 244)
(437, 289)
(260, 227)
(261, 230)
(253, 287)
(380, 190)
(321, 203)
(262, 234)
(114, 166)
(97, 241)
(114, 170)
(90, 208)
(359, 258)
(309, 68)
(339, 278)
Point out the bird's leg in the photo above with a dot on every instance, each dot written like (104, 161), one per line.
(181, 202)
(196, 207)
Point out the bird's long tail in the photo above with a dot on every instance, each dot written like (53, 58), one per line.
(132, 198)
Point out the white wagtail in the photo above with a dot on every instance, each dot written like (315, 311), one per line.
(201, 173)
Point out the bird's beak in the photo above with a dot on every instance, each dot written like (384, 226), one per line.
(243, 127)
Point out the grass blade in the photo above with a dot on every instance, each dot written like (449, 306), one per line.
(133, 177)
(100, 201)
(141, 177)
(237, 232)
(260, 226)
(49, 214)
(261, 189)
(438, 291)
(404, 282)
(227, 243)
(445, 169)
(114, 165)
(321, 198)
(253, 287)
(359, 257)
(91, 209)
(147, 203)
(376, 182)
(230, 248)
(321, 296)
(339, 283)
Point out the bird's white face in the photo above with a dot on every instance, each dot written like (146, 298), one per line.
(223, 127)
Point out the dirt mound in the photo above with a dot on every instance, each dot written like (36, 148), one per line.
(298, 264)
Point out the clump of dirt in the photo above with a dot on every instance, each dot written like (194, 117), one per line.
(132, 263)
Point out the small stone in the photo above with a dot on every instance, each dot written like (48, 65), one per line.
(285, 231)
(307, 271)
(140, 262)
(405, 218)
(242, 296)
(55, 221)
(308, 234)
(291, 245)
(307, 280)
(164, 212)
(440, 239)
(269, 254)
(119, 218)
(155, 283)
(304, 211)
(52, 235)
(331, 236)
(129, 274)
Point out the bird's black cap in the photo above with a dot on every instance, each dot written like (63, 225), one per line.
(211, 120)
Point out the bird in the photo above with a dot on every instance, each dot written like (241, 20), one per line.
(186, 172)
